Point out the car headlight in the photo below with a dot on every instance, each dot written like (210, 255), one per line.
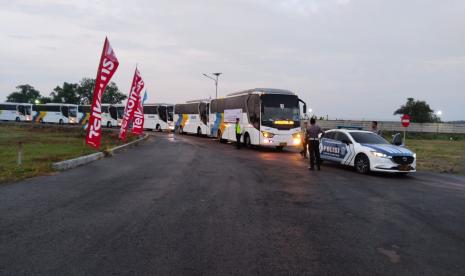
(296, 135)
(267, 134)
(379, 154)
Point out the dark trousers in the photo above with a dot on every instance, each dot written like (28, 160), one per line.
(304, 151)
(238, 141)
(314, 148)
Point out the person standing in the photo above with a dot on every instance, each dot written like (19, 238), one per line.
(374, 128)
(238, 133)
(314, 144)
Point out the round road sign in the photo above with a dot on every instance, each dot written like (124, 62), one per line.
(405, 120)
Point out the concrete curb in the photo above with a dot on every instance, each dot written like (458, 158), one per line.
(82, 160)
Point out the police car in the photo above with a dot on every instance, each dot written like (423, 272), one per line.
(366, 151)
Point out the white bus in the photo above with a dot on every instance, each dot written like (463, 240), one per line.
(192, 117)
(109, 115)
(268, 117)
(158, 117)
(55, 113)
(18, 112)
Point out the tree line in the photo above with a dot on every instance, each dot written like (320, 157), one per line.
(73, 93)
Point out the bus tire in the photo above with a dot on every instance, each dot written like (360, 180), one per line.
(247, 142)
(60, 122)
(199, 131)
(18, 119)
(219, 136)
(158, 128)
(362, 164)
(279, 148)
(109, 124)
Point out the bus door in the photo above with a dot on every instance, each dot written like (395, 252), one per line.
(113, 112)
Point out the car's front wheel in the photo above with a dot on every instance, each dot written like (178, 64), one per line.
(362, 164)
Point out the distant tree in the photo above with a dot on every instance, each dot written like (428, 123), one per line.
(45, 100)
(419, 111)
(68, 93)
(25, 94)
(112, 95)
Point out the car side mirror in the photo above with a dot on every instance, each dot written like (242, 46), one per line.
(397, 139)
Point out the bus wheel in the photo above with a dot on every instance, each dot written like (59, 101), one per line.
(60, 122)
(279, 148)
(158, 128)
(247, 141)
(17, 119)
(199, 131)
(219, 137)
(109, 124)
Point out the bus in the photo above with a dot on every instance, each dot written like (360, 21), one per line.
(19, 112)
(268, 117)
(191, 117)
(109, 115)
(55, 113)
(158, 117)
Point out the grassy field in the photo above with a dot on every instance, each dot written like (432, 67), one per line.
(439, 155)
(43, 145)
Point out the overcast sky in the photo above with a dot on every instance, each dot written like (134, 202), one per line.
(354, 59)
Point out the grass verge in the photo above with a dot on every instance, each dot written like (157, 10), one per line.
(43, 145)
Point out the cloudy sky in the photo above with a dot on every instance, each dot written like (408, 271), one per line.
(355, 59)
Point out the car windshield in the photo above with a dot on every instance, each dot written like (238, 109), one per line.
(368, 138)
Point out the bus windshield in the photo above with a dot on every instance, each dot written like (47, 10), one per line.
(170, 113)
(28, 109)
(120, 110)
(279, 108)
(72, 111)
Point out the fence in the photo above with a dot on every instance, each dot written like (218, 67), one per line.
(397, 126)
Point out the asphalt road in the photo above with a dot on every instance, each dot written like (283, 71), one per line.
(193, 206)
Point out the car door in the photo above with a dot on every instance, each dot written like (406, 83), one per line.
(346, 148)
(330, 146)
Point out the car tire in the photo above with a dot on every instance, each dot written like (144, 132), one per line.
(362, 164)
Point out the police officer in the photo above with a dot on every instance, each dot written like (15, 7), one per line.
(314, 144)
(238, 133)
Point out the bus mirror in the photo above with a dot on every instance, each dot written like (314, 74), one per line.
(305, 109)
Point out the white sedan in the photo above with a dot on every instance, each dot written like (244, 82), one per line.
(366, 151)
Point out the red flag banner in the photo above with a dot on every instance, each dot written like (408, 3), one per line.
(107, 67)
(138, 120)
(131, 104)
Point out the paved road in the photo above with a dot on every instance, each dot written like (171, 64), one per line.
(194, 206)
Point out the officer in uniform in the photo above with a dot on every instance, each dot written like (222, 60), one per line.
(238, 133)
(314, 144)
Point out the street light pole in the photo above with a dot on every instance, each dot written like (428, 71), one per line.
(216, 82)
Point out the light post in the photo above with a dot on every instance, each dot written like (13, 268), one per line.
(216, 82)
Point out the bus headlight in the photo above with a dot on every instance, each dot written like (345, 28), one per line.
(296, 135)
(296, 141)
(267, 134)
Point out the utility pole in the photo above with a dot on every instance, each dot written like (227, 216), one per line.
(216, 82)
